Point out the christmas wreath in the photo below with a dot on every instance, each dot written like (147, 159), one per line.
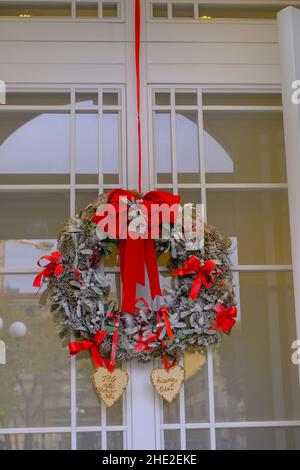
(200, 308)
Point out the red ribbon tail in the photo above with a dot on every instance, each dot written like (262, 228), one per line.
(38, 279)
(194, 292)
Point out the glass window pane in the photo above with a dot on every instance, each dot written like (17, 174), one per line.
(114, 415)
(89, 441)
(87, 153)
(258, 220)
(35, 382)
(34, 147)
(172, 439)
(86, 99)
(185, 98)
(88, 402)
(183, 10)
(255, 379)
(111, 147)
(160, 10)
(258, 438)
(30, 225)
(87, 9)
(196, 388)
(236, 11)
(244, 147)
(162, 98)
(197, 439)
(242, 99)
(109, 10)
(110, 98)
(34, 98)
(171, 411)
(29, 9)
(187, 148)
(188, 196)
(115, 440)
(163, 147)
(84, 198)
(55, 441)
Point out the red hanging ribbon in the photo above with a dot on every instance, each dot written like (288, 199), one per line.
(135, 254)
(225, 318)
(138, 87)
(162, 313)
(53, 268)
(203, 274)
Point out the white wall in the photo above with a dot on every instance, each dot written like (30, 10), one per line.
(220, 52)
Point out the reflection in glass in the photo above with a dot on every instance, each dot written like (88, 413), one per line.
(111, 147)
(258, 438)
(160, 10)
(30, 224)
(35, 98)
(187, 148)
(197, 439)
(196, 388)
(51, 8)
(34, 147)
(115, 440)
(255, 379)
(87, 153)
(163, 147)
(183, 10)
(87, 9)
(257, 219)
(172, 439)
(86, 99)
(186, 98)
(55, 441)
(244, 147)
(35, 383)
(171, 411)
(85, 197)
(88, 440)
(88, 402)
(242, 99)
(109, 10)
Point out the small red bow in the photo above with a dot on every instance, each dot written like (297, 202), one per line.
(144, 341)
(53, 268)
(204, 274)
(225, 318)
(76, 347)
(93, 346)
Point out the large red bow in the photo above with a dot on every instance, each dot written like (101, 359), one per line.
(225, 318)
(204, 274)
(53, 268)
(137, 253)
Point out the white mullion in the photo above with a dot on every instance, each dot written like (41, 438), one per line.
(73, 402)
(73, 9)
(100, 140)
(42, 108)
(169, 10)
(201, 151)
(196, 10)
(151, 140)
(123, 160)
(100, 11)
(212, 427)
(72, 153)
(103, 426)
(182, 416)
(173, 142)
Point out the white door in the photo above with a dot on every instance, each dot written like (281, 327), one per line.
(212, 132)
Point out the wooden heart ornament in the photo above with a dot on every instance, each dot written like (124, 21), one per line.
(110, 386)
(168, 381)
